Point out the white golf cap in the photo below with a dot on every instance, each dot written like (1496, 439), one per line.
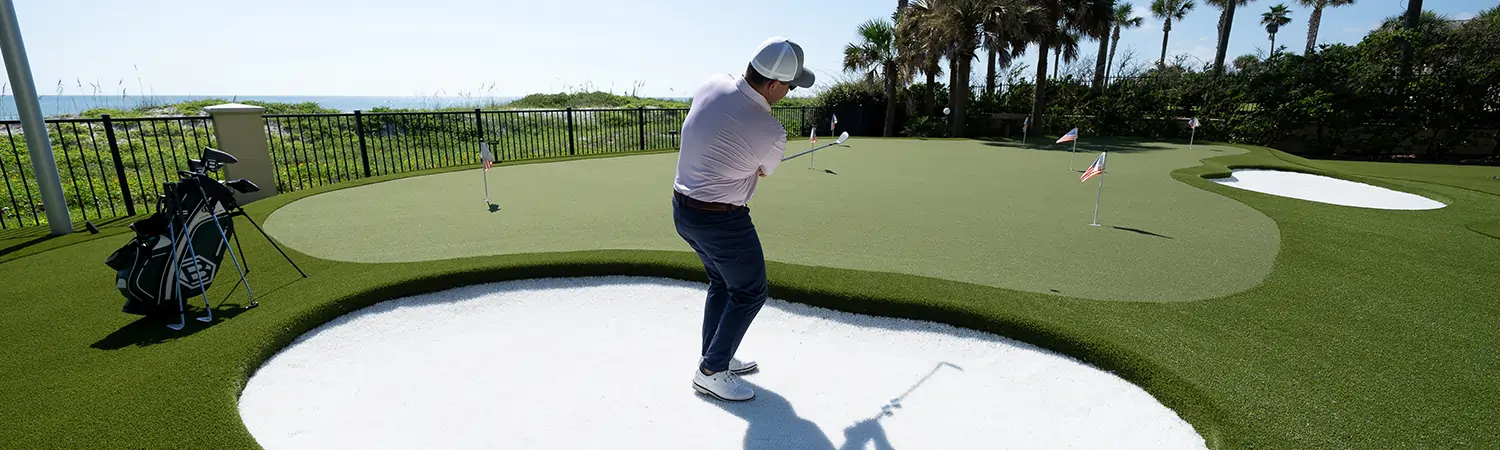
(781, 59)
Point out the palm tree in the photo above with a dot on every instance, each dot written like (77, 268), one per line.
(958, 27)
(1065, 49)
(1428, 22)
(1122, 20)
(1316, 18)
(1099, 56)
(1273, 20)
(920, 51)
(1226, 23)
(1057, 18)
(875, 54)
(1169, 10)
(955, 24)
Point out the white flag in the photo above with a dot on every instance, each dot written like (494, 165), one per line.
(485, 155)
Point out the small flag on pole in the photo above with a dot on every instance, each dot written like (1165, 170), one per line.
(486, 156)
(489, 160)
(1095, 169)
(812, 140)
(1071, 136)
(1026, 123)
(833, 123)
(1193, 124)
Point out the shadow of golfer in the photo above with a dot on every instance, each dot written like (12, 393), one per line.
(868, 430)
(773, 423)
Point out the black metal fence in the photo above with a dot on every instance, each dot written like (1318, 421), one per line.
(110, 167)
(312, 150)
(114, 167)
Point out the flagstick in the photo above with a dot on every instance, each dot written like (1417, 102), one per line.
(487, 187)
(1190, 137)
(1074, 153)
(1096, 200)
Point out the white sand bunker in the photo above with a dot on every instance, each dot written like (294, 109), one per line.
(1323, 189)
(608, 362)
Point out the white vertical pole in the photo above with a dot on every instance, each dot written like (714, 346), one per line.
(1096, 200)
(486, 187)
(1191, 135)
(33, 125)
(1074, 153)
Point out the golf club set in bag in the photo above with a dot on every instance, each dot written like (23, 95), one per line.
(176, 252)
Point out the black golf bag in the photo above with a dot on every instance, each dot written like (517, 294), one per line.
(177, 251)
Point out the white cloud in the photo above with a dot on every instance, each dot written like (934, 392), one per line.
(1464, 16)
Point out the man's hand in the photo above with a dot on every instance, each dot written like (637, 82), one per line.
(761, 171)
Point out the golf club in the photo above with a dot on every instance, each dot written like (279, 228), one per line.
(842, 137)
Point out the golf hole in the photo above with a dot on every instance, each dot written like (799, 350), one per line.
(607, 363)
(1323, 189)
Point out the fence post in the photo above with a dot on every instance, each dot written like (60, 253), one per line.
(479, 125)
(640, 113)
(240, 130)
(804, 129)
(570, 130)
(114, 151)
(359, 129)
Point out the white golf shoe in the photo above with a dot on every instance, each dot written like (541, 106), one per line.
(741, 367)
(723, 385)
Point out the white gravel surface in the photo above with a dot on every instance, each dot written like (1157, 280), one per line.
(607, 363)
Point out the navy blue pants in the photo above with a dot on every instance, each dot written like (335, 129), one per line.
(727, 244)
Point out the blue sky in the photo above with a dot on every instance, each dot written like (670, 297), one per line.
(453, 47)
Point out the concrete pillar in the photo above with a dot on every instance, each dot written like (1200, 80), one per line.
(240, 130)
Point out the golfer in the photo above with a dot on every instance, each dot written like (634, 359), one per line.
(729, 141)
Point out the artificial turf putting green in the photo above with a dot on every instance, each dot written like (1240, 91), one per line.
(969, 211)
(1374, 330)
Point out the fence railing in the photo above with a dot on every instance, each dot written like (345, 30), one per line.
(311, 150)
(115, 167)
(109, 167)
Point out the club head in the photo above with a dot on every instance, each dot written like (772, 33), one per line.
(195, 165)
(842, 137)
(214, 155)
(242, 186)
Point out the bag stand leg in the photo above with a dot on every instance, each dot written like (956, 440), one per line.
(241, 212)
(232, 256)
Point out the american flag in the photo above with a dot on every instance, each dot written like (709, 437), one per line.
(486, 156)
(1095, 169)
(833, 123)
(813, 137)
(1072, 135)
(1193, 123)
(1026, 123)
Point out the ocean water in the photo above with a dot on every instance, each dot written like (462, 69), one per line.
(56, 105)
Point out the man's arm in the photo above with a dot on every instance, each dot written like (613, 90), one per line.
(772, 158)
